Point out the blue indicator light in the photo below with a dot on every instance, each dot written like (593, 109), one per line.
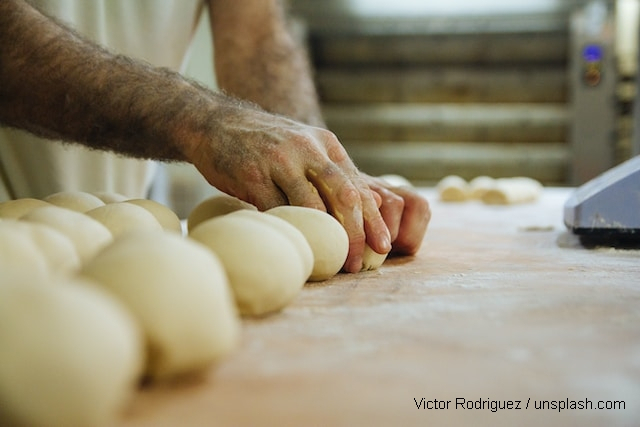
(592, 53)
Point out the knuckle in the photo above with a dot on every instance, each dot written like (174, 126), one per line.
(349, 195)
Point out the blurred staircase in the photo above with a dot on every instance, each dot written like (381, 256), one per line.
(426, 97)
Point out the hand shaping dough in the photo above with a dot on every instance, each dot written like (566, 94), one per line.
(288, 230)
(507, 191)
(453, 188)
(165, 216)
(326, 236)
(179, 294)
(87, 234)
(71, 354)
(265, 269)
(19, 207)
(215, 206)
(78, 201)
(123, 217)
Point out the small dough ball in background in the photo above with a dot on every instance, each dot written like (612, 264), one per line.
(371, 260)
(216, 206)
(396, 180)
(110, 197)
(508, 191)
(326, 236)
(70, 355)
(78, 201)
(178, 292)
(87, 234)
(18, 252)
(265, 270)
(165, 216)
(453, 188)
(123, 217)
(479, 185)
(57, 248)
(295, 235)
(14, 209)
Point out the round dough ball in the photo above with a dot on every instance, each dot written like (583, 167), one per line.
(178, 291)
(265, 270)
(326, 236)
(71, 354)
(122, 217)
(109, 197)
(19, 253)
(396, 180)
(479, 185)
(78, 201)
(16, 208)
(372, 260)
(508, 191)
(165, 216)
(87, 234)
(295, 235)
(216, 206)
(57, 248)
(453, 188)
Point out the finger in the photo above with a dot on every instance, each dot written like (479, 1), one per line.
(343, 201)
(377, 234)
(300, 192)
(391, 208)
(413, 226)
(264, 196)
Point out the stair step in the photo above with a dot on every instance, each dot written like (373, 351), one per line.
(448, 122)
(443, 84)
(487, 48)
(426, 163)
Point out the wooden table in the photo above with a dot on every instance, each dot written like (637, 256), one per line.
(500, 304)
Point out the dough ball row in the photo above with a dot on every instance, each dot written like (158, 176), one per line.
(95, 297)
(500, 191)
(98, 292)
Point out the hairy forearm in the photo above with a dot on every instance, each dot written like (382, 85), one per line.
(57, 85)
(258, 59)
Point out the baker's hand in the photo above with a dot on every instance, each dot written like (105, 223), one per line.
(405, 212)
(270, 160)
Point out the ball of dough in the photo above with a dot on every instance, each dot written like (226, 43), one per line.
(109, 197)
(57, 248)
(19, 207)
(78, 201)
(123, 217)
(295, 235)
(479, 185)
(326, 236)
(71, 354)
(372, 260)
(165, 216)
(508, 191)
(87, 234)
(18, 252)
(215, 206)
(453, 188)
(178, 291)
(265, 270)
(396, 180)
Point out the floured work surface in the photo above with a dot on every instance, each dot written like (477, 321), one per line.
(501, 304)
